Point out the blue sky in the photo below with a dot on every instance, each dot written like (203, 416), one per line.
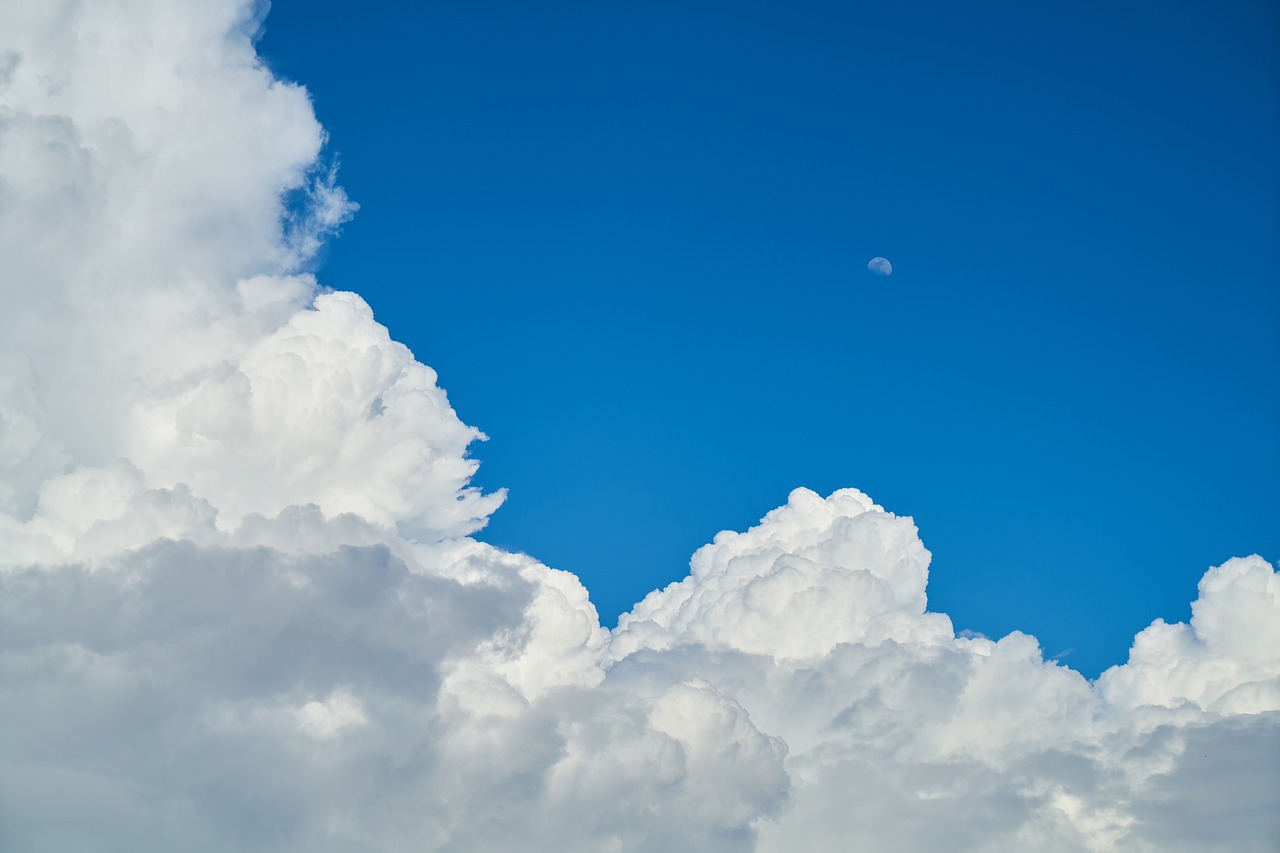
(632, 240)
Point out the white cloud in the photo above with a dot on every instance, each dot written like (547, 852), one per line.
(325, 720)
(841, 564)
(154, 309)
(1226, 660)
(241, 610)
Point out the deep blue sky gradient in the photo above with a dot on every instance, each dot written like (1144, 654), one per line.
(632, 237)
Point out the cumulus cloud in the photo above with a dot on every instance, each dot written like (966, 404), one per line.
(1227, 659)
(241, 607)
(157, 331)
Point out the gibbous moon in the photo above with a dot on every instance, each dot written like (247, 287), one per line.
(880, 266)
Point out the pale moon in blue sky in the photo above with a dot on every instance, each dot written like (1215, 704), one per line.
(880, 266)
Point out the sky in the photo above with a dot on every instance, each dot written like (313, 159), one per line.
(762, 552)
(656, 220)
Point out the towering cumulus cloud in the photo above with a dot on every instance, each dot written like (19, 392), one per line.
(240, 608)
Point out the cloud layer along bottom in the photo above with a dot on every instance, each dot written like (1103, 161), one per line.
(242, 610)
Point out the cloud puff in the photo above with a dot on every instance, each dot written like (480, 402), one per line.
(841, 565)
(1226, 660)
(155, 312)
(241, 609)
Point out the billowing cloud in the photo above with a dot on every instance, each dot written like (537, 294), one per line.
(157, 329)
(241, 608)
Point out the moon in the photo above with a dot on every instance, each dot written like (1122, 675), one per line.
(880, 266)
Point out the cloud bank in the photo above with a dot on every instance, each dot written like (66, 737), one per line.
(240, 607)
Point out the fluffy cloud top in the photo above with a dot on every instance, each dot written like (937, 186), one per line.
(157, 331)
(841, 563)
(241, 610)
